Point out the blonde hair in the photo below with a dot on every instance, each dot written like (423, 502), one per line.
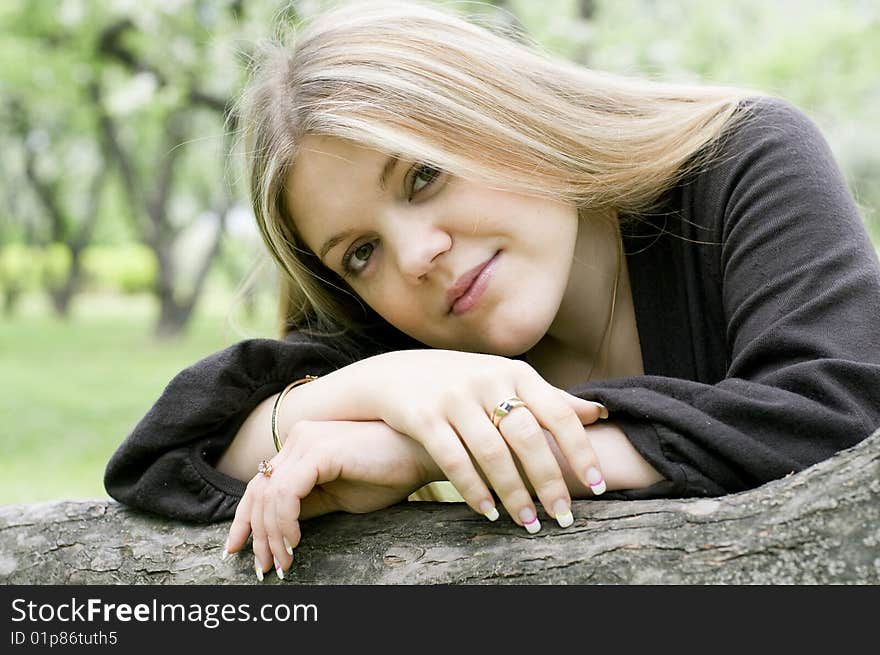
(427, 85)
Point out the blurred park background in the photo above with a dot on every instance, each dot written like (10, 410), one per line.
(125, 232)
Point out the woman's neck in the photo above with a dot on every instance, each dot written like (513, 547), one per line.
(585, 340)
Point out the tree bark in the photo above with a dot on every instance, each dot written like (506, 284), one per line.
(819, 526)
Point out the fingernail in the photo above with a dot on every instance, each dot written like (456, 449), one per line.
(529, 520)
(278, 570)
(562, 512)
(596, 481)
(603, 411)
(489, 511)
(288, 547)
(258, 569)
(224, 555)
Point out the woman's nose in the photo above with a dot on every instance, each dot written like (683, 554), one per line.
(417, 247)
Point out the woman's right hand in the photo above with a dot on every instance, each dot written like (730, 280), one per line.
(324, 466)
(444, 399)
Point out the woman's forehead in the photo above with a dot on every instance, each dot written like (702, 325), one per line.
(327, 157)
(332, 180)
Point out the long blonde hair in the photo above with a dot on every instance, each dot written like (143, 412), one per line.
(427, 85)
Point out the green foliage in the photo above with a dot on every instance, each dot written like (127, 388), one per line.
(21, 267)
(127, 268)
(56, 260)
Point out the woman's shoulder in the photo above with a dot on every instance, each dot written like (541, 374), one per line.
(770, 108)
(766, 120)
(771, 149)
(769, 140)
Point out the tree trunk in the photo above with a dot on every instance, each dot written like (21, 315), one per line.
(11, 296)
(150, 192)
(820, 526)
(173, 317)
(62, 294)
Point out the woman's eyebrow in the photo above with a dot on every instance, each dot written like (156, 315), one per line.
(387, 170)
(333, 241)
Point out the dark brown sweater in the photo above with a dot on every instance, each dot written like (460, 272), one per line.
(757, 299)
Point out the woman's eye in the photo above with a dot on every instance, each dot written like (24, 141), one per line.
(356, 260)
(422, 177)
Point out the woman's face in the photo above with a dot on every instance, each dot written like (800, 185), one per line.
(451, 263)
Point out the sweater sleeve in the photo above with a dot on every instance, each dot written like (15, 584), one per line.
(166, 464)
(800, 297)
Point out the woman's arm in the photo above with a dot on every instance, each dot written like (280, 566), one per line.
(330, 397)
(251, 444)
(621, 464)
(444, 400)
(166, 464)
(362, 466)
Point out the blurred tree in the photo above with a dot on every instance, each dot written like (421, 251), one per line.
(149, 182)
(148, 85)
(14, 228)
(70, 234)
(52, 211)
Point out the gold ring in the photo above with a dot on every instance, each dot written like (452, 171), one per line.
(504, 408)
(265, 468)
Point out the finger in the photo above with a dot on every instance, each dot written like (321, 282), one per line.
(274, 537)
(287, 490)
(299, 481)
(522, 431)
(273, 506)
(287, 516)
(495, 458)
(240, 529)
(588, 411)
(259, 543)
(446, 448)
(567, 428)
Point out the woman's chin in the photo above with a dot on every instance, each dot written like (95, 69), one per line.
(504, 348)
(507, 338)
(511, 343)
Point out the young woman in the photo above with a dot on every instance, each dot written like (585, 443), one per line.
(530, 279)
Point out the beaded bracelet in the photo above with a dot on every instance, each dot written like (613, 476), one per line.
(278, 400)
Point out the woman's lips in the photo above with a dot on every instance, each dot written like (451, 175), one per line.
(471, 286)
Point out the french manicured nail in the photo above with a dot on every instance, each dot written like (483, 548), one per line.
(278, 570)
(596, 481)
(529, 520)
(225, 554)
(562, 512)
(489, 510)
(288, 547)
(603, 411)
(258, 569)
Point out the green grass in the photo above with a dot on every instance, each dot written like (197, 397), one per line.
(71, 391)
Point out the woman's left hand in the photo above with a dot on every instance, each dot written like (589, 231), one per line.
(323, 467)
